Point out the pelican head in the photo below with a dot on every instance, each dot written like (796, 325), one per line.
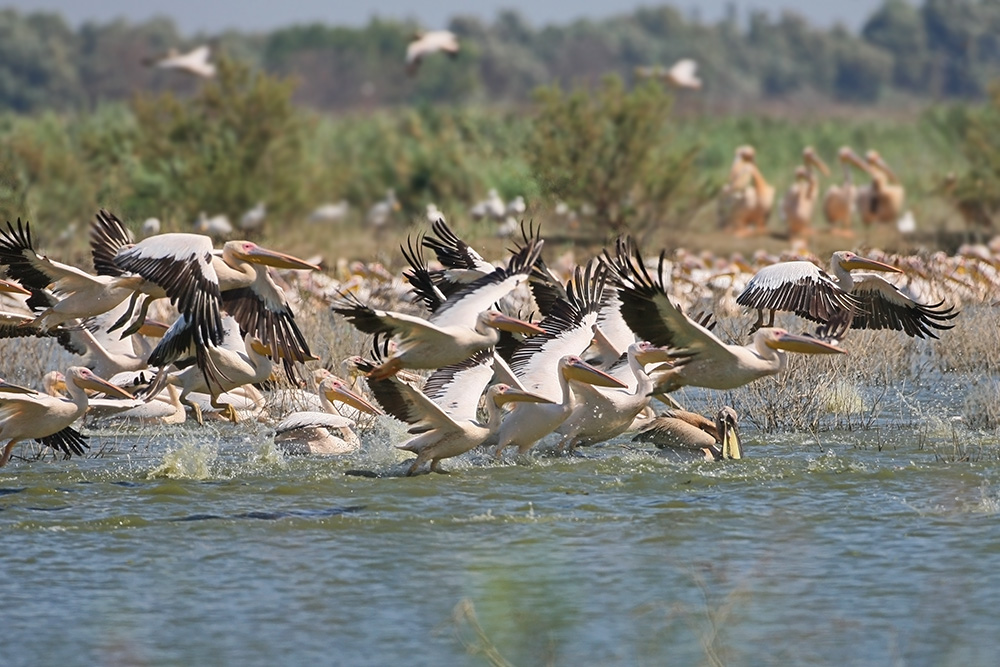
(251, 252)
(730, 445)
(849, 261)
(647, 353)
(809, 155)
(13, 288)
(747, 153)
(497, 320)
(336, 389)
(874, 159)
(779, 339)
(575, 368)
(504, 393)
(84, 378)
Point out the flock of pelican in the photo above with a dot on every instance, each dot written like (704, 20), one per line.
(472, 355)
(747, 199)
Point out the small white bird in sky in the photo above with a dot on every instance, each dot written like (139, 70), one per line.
(193, 62)
(429, 42)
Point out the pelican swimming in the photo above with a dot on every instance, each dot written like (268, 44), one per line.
(326, 432)
(700, 358)
(842, 301)
(683, 430)
(461, 326)
(29, 415)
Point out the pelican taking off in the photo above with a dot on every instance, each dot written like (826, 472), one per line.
(324, 432)
(842, 301)
(680, 429)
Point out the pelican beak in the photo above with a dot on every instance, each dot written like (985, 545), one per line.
(870, 264)
(732, 446)
(803, 344)
(818, 163)
(345, 395)
(653, 355)
(855, 159)
(505, 323)
(13, 288)
(100, 385)
(260, 348)
(153, 329)
(8, 388)
(278, 260)
(880, 163)
(512, 395)
(583, 372)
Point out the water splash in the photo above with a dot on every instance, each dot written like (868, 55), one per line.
(190, 461)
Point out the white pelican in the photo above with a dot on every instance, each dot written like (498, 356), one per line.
(330, 212)
(461, 326)
(701, 359)
(9, 287)
(237, 361)
(746, 200)
(839, 202)
(680, 429)
(326, 432)
(426, 43)
(843, 301)
(378, 215)
(882, 199)
(253, 219)
(682, 74)
(201, 282)
(26, 414)
(799, 201)
(193, 62)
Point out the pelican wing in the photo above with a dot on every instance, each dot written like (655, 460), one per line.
(108, 237)
(427, 285)
(457, 388)
(410, 405)
(372, 321)
(181, 264)
(453, 252)
(298, 420)
(69, 441)
(464, 306)
(36, 271)
(568, 331)
(885, 306)
(798, 287)
(17, 325)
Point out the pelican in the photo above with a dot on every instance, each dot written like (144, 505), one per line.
(193, 62)
(839, 202)
(201, 282)
(324, 432)
(680, 429)
(378, 215)
(330, 212)
(9, 287)
(457, 329)
(701, 359)
(682, 74)
(800, 199)
(747, 198)
(882, 199)
(843, 301)
(426, 43)
(253, 219)
(26, 414)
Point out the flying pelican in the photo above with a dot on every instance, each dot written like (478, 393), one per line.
(680, 429)
(27, 414)
(324, 432)
(839, 202)
(882, 199)
(682, 74)
(800, 199)
(193, 62)
(201, 282)
(843, 301)
(701, 359)
(456, 330)
(426, 43)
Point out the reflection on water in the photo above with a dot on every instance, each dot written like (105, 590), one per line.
(200, 546)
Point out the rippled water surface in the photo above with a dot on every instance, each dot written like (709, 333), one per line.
(200, 546)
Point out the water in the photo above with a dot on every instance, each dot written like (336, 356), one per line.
(204, 546)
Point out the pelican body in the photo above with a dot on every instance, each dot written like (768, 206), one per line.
(840, 200)
(800, 200)
(682, 430)
(882, 199)
(326, 432)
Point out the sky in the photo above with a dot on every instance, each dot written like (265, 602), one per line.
(212, 16)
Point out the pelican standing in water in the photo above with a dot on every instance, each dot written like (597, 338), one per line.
(29, 415)
(683, 430)
(842, 301)
(326, 432)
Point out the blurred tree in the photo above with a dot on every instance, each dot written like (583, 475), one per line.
(897, 28)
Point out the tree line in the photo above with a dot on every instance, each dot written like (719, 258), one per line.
(940, 49)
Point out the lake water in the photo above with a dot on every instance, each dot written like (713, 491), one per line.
(204, 546)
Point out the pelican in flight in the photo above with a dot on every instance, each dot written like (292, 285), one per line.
(700, 358)
(324, 432)
(842, 301)
(682, 74)
(840, 200)
(29, 415)
(801, 197)
(193, 62)
(426, 43)
(461, 326)
(683, 430)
